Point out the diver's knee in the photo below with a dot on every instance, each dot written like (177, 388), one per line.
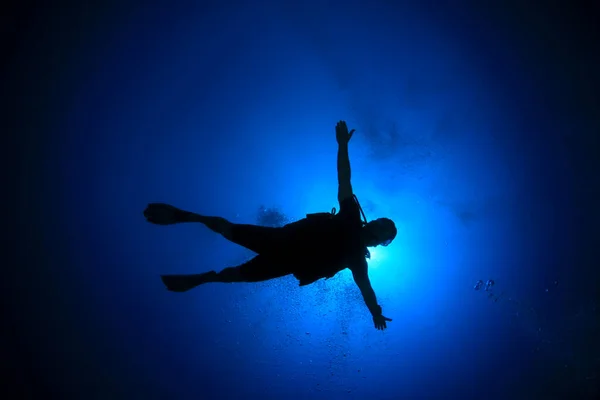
(216, 224)
(230, 275)
(226, 228)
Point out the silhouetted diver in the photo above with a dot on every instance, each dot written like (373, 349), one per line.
(315, 247)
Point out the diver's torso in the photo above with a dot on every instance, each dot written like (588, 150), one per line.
(322, 245)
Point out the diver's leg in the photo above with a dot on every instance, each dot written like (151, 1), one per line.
(183, 283)
(166, 214)
(229, 275)
(259, 239)
(216, 224)
(258, 269)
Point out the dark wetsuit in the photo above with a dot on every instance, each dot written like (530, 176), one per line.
(315, 247)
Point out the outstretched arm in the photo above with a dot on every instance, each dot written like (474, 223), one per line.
(343, 161)
(343, 170)
(361, 278)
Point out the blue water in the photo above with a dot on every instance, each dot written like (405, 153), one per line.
(476, 132)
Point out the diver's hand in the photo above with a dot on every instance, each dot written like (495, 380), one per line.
(341, 133)
(380, 321)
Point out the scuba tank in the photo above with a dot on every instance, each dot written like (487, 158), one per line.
(333, 212)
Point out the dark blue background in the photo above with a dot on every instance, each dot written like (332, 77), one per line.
(477, 132)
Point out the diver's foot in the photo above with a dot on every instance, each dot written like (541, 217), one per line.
(165, 214)
(183, 283)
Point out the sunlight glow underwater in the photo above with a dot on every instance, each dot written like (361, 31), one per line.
(433, 178)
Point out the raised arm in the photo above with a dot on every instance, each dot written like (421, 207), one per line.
(361, 278)
(343, 161)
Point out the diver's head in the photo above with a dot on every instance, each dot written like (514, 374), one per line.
(380, 231)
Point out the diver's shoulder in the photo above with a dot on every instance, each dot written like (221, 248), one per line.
(358, 261)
